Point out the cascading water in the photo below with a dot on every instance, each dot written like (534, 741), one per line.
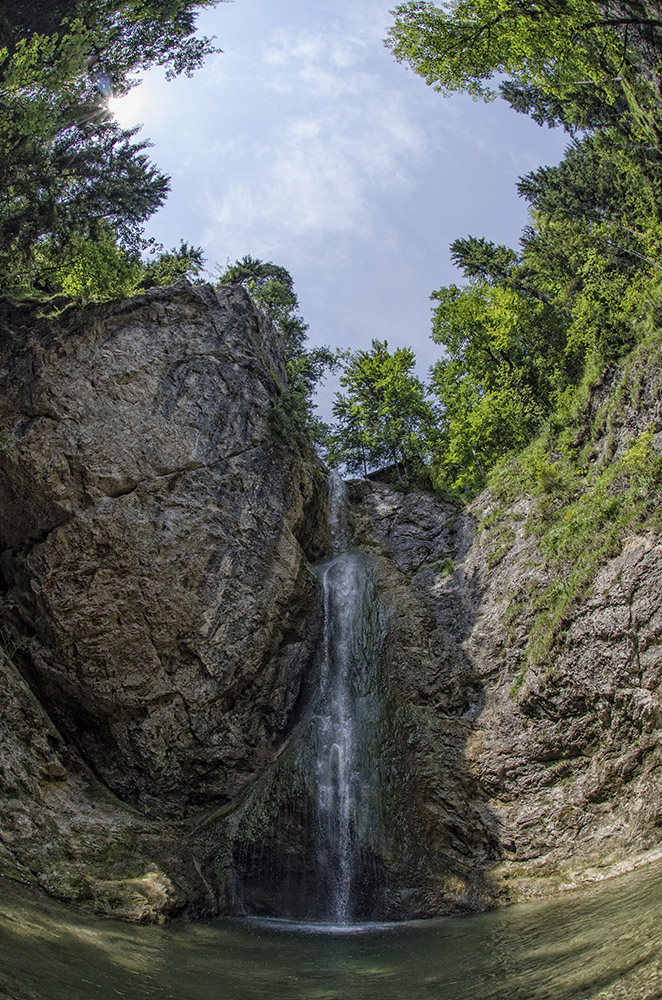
(310, 840)
(351, 642)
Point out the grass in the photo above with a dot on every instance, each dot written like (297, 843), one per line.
(445, 567)
(500, 539)
(590, 483)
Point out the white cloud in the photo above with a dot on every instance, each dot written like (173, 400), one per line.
(319, 65)
(319, 176)
(303, 129)
(333, 141)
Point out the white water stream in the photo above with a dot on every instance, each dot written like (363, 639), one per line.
(351, 643)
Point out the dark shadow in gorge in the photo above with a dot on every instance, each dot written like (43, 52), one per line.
(424, 841)
(450, 839)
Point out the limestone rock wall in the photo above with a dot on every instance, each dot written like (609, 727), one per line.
(158, 605)
(159, 615)
(523, 791)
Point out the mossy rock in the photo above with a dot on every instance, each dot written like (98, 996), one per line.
(147, 899)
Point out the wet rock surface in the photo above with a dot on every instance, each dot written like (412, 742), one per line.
(159, 608)
(526, 789)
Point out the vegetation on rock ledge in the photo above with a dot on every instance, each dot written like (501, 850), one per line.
(520, 338)
(592, 476)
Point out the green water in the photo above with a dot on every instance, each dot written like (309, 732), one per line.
(604, 941)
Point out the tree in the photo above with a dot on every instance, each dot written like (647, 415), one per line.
(119, 38)
(384, 417)
(492, 328)
(552, 46)
(582, 107)
(479, 424)
(480, 258)
(600, 178)
(501, 370)
(586, 276)
(499, 265)
(97, 269)
(350, 443)
(101, 269)
(63, 177)
(172, 265)
(67, 170)
(272, 289)
(594, 241)
(462, 47)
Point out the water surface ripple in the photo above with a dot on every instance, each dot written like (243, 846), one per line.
(602, 942)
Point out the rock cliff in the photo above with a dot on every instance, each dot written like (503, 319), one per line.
(159, 616)
(526, 783)
(158, 607)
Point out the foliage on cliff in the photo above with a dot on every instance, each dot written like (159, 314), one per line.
(528, 325)
(591, 477)
(272, 289)
(77, 187)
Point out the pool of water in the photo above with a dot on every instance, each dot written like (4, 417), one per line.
(603, 941)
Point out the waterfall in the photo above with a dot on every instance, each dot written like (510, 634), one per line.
(344, 771)
(310, 839)
(338, 514)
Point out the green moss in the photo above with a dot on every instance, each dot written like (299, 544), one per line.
(581, 507)
(445, 567)
(520, 677)
(501, 540)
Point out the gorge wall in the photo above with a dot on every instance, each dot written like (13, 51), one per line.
(521, 789)
(160, 615)
(159, 611)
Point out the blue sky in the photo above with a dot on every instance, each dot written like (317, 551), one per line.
(304, 143)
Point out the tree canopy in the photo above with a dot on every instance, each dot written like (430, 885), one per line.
(116, 39)
(69, 173)
(463, 46)
(549, 50)
(502, 364)
(272, 288)
(383, 417)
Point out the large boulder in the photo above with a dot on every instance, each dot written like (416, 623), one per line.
(159, 609)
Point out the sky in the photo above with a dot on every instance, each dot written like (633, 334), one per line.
(303, 142)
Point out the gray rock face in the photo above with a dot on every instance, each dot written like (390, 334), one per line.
(158, 624)
(520, 792)
(155, 537)
(414, 542)
(571, 763)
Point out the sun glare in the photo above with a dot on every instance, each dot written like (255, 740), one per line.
(129, 110)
